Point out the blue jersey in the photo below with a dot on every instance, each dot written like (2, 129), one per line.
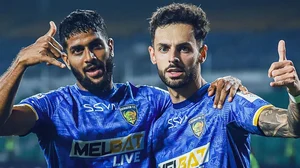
(78, 129)
(194, 134)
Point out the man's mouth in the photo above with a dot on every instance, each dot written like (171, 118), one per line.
(174, 72)
(94, 71)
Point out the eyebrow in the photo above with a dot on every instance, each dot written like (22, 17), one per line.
(94, 41)
(180, 44)
(184, 44)
(76, 47)
(163, 44)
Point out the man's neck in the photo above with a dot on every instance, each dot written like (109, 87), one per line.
(97, 91)
(181, 94)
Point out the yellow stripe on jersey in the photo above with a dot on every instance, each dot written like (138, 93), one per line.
(257, 113)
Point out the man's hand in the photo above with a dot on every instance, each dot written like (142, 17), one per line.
(277, 121)
(222, 87)
(45, 49)
(284, 73)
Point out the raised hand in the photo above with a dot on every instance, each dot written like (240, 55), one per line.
(284, 73)
(224, 86)
(45, 49)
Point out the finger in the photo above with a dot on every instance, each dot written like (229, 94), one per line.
(281, 50)
(220, 86)
(232, 92)
(51, 32)
(53, 61)
(55, 43)
(49, 58)
(285, 77)
(229, 84)
(55, 51)
(212, 88)
(276, 65)
(270, 70)
(222, 98)
(243, 89)
(282, 83)
(282, 71)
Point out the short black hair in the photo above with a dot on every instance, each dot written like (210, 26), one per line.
(80, 21)
(180, 13)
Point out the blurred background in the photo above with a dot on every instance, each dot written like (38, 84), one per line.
(242, 43)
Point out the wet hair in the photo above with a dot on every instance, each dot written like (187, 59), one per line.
(81, 21)
(180, 13)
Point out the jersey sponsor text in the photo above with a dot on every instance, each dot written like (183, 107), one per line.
(194, 158)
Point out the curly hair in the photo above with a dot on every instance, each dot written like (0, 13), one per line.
(180, 13)
(81, 21)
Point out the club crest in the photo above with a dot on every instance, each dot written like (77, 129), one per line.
(129, 113)
(198, 125)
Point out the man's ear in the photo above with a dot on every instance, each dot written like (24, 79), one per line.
(152, 54)
(203, 53)
(64, 57)
(111, 47)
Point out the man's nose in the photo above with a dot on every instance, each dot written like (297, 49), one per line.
(89, 56)
(174, 57)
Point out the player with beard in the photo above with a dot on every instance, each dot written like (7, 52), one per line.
(191, 133)
(95, 122)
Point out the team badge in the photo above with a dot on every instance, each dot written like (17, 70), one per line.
(129, 113)
(198, 125)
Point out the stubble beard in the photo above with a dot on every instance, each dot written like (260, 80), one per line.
(101, 86)
(189, 76)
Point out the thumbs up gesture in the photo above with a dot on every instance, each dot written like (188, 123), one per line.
(45, 49)
(284, 73)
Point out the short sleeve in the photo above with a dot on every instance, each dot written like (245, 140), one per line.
(40, 105)
(245, 111)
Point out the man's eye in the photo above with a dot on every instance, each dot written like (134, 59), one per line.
(163, 49)
(97, 47)
(185, 49)
(77, 51)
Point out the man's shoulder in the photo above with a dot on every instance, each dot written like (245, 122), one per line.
(146, 89)
(64, 91)
(250, 97)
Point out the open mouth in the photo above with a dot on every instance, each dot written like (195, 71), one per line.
(174, 72)
(94, 71)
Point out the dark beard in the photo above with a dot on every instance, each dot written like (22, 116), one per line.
(180, 83)
(103, 86)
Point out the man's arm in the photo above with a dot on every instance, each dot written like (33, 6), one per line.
(280, 122)
(9, 84)
(19, 119)
(277, 121)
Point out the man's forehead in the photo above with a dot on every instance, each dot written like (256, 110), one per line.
(174, 33)
(84, 38)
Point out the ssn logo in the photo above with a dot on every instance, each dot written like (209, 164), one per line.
(176, 121)
(194, 158)
(98, 107)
